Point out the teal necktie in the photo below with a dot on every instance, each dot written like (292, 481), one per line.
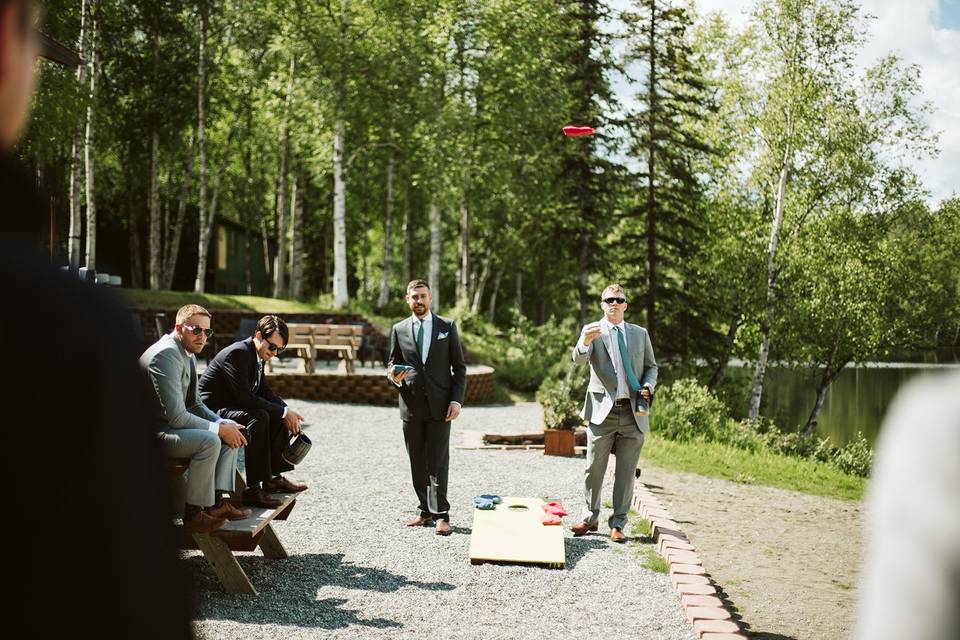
(420, 341)
(625, 361)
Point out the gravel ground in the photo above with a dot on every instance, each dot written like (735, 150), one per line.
(355, 572)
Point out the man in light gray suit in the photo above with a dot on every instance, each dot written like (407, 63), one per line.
(623, 374)
(187, 428)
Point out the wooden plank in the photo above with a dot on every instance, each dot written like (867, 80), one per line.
(270, 544)
(283, 515)
(513, 532)
(259, 519)
(224, 564)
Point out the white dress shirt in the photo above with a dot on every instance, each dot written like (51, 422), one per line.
(427, 333)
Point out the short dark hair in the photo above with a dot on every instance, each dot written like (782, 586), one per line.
(417, 283)
(269, 325)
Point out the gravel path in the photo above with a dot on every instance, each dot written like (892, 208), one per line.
(356, 572)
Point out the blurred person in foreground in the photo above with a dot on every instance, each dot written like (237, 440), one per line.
(90, 547)
(910, 584)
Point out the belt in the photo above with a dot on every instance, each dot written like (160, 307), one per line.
(622, 402)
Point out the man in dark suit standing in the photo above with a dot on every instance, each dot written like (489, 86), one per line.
(426, 363)
(235, 387)
(98, 514)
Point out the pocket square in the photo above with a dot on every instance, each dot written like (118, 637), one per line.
(441, 336)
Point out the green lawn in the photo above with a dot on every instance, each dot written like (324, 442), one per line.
(172, 300)
(762, 468)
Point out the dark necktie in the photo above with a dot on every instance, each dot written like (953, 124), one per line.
(420, 341)
(625, 361)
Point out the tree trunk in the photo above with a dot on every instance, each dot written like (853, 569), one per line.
(74, 248)
(154, 208)
(463, 286)
(133, 235)
(296, 252)
(721, 367)
(583, 278)
(651, 283)
(481, 284)
(206, 230)
(280, 275)
(492, 304)
(200, 282)
(756, 391)
(386, 272)
(340, 294)
(830, 374)
(407, 236)
(91, 257)
(435, 249)
(176, 231)
(518, 293)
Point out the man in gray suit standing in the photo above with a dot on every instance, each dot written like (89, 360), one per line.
(187, 428)
(623, 374)
(426, 363)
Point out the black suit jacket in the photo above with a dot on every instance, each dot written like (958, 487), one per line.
(229, 381)
(72, 361)
(439, 381)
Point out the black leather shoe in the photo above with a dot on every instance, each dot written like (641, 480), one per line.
(260, 498)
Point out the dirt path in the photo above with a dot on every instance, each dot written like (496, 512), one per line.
(787, 561)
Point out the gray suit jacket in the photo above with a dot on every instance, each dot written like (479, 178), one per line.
(178, 406)
(442, 379)
(602, 390)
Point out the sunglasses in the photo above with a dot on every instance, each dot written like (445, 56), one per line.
(198, 330)
(612, 300)
(272, 348)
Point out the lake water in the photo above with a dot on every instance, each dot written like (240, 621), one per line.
(857, 400)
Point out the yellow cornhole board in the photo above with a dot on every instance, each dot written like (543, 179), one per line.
(513, 532)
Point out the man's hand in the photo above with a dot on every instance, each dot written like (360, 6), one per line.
(292, 420)
(398, 376)
(589, 332)
(453, 412)
(645, 393)
(229, 432)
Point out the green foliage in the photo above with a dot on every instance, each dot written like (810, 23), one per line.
(688, 412)
(522, 354)
(561, 395)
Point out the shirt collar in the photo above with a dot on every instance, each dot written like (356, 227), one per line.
(183, 352)
(427, 319)
(609, 325)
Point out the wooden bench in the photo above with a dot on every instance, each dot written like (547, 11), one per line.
(238, 535)
(308, 339)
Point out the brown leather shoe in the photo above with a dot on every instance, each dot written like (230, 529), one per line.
(225, 509)
(616, 535)
(282, 485)
(581, 528)
(202, 522)
(419, 521)
(260, 498)
(443, 528)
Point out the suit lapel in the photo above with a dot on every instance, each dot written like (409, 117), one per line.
(255, 364)
(408, 345)
(433, 337)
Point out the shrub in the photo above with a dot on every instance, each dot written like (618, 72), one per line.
(855, 458)
(686, 410)
(522, 354)
(561, 395)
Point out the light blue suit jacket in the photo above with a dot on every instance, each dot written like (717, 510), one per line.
(602, 390)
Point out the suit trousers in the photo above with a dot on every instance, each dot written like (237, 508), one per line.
(212, 463)
(428, 447)
(266, 440)
(618, 433)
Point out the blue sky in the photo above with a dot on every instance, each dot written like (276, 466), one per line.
(949, 14)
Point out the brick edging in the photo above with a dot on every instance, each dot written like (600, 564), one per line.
(710, 618)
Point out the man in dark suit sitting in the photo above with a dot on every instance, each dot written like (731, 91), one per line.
(234, 386)
(426, 363)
